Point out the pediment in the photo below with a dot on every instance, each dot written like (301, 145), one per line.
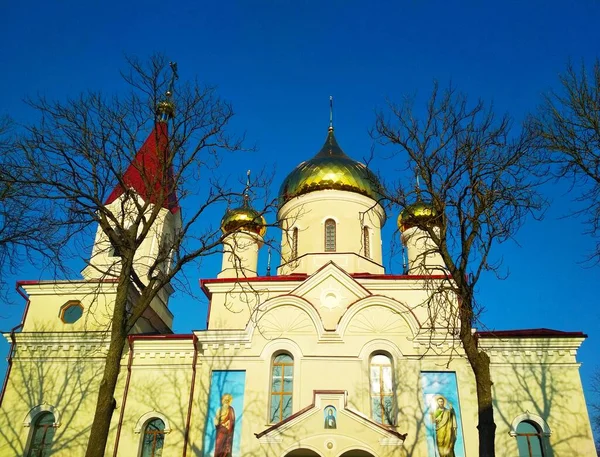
(331, 290)
(330, 416)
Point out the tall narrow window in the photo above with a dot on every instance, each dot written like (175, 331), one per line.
(153, 439)
(366, 242)
(382, 390)
(295, 243)
(42, 435)
(329, 235)
(282, 380)
(529, 440)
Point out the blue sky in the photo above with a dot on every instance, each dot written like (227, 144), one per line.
(278, 62)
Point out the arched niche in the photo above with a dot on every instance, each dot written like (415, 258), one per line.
(404, 313)
(278, 314)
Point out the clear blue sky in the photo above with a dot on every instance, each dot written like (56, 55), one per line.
(278, 62)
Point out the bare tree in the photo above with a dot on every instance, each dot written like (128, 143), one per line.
(474, 173)
(28, 232)
(568, 128)
(84, 147)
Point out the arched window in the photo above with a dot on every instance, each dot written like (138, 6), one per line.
(367, 242)
(295, 243)
(282, 383)
(42, 435)
(382, 390)
(529, 440)
(153, 439)
(329, 235)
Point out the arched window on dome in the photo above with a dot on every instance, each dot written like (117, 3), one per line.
(330, 235)
(42, 435)
(529, 440)
(282, 384)
(367, 242)
(382, 389)
(295, 243)
(153, 438)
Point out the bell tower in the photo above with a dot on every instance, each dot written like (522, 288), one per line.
(148, 181)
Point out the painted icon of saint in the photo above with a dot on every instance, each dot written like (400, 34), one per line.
(444, 419)
(225, 425)
(330, 421)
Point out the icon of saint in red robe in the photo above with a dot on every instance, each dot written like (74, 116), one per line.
(225, 425)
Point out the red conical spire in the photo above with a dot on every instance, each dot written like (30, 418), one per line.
(146, 174)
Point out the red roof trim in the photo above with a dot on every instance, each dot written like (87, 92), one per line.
(294, 277)
(170, 336)
(36, 282)
(144, 173)
(531, 333)
(302, 276)
(396, 277)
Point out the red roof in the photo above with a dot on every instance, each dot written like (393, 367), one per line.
(531, 333)
(147, 174)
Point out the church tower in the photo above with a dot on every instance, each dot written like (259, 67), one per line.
(244, 229)
(149, 178)
(423, 255)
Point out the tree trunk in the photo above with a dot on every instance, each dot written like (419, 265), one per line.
(485, 409)
(480, 364)
(105, 404)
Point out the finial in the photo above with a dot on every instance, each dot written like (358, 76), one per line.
(247, 190)
(331, 113)
(269, 261)
(418, 189)
(165, 109)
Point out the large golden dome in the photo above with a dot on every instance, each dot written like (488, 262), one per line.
(244, 219)
(331, 168)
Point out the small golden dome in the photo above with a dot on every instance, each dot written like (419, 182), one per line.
(165, 109)
(418, 214)
(331, 168)
(244, 219)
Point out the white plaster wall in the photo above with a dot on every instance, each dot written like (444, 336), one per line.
(351, 211)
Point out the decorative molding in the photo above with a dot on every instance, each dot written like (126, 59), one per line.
(527, 416)
(142, 421)
(39, 409)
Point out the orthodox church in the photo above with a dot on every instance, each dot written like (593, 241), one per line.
(330, 356)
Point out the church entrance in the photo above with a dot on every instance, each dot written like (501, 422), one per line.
(357, 453)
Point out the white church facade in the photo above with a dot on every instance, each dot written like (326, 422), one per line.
(330, 356)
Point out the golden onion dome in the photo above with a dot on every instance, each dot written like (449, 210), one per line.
(244, 219)
(165, 109)
(331, 168)
(419, 213)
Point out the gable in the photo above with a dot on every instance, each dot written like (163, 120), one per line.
(331, 291)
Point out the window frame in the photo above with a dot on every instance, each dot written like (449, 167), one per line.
(538, 434)
(330, 235)
(294, 250)
(144, 432)
(34, 424)
(539, 424)
(68, 305)
(366, 242)
(281, 393)
(381, 395)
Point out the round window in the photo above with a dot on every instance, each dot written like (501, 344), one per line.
(71, 312)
